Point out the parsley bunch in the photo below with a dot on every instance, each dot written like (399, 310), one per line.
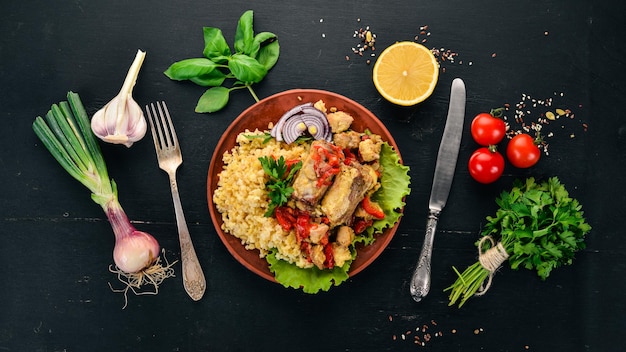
(539, 227)
(279, 183)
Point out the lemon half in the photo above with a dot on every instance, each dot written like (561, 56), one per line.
(406, 73)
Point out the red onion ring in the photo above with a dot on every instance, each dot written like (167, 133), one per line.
(289, 126)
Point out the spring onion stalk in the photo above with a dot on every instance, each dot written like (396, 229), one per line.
(67, 135)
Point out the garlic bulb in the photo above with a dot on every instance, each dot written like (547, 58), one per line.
(121, 121)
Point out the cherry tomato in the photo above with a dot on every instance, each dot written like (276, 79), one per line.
(486, 165)
(488, 129)
(522, 151)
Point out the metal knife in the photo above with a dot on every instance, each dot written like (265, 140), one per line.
(442, 181)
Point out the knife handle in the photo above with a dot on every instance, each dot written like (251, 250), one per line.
(420, 281)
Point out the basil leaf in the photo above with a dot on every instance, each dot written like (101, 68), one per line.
(215, 46)
(213, 99)
(213, 79)
(268, 55)
(246, 69)
(259, 40)
(189, 68)
(244, 36)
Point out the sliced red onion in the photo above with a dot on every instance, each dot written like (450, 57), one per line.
(317, 127)
(293, 128)
(276, 132)
(300, 120)
(326, 133)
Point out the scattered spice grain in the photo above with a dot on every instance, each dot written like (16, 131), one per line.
(419, 334)
(533, 115)
(367, 40)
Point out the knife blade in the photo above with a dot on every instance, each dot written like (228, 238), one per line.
(442, 182)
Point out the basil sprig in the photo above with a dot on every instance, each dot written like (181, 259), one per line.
(254, 55)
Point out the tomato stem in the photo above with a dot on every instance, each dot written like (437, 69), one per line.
(498, 112)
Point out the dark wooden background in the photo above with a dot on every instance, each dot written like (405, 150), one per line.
(56, 245)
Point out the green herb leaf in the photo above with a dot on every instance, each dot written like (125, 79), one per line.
(254, 56)
(215, 47)
(266, 136)
(268, 55)
(246, 69)
(540, 228)
(278, 185)
(259, 40)
(190, 68)
(214, 79)
(244, 35)
(213, 99)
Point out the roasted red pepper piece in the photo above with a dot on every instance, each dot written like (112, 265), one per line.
(285, 217)
(329, 262)
(372, 208)
(360, 225)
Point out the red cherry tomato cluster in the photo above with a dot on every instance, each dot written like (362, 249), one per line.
(486, 164)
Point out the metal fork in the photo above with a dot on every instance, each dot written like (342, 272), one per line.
(169, 157)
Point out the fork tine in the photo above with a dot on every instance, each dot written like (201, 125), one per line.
(163, 132)
(151, 117)
(161, 126)
(170, 126)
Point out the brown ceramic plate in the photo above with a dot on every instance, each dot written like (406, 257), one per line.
(258, 116)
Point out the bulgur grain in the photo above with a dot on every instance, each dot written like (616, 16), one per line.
(241, 198)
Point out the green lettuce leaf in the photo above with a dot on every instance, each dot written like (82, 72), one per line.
(310, 280)
(395, 182)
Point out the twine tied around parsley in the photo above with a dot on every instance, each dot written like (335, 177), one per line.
(490, 259)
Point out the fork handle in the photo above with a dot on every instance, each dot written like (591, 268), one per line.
(193, 277)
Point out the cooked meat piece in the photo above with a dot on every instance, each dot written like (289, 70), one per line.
(340, 254)
(307, 188)
(347, 140)
(339, 121)
(345, 236)
(361, 213)
(346, 192)
(317, 232)
(317, 256)
(369, 149)
(373, 173)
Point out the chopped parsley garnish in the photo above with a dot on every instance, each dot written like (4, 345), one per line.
(278, 186)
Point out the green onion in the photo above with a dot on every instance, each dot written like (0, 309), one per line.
(67, 134)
